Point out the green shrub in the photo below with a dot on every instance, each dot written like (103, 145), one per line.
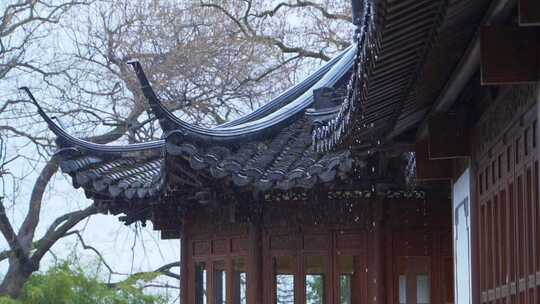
(65, 284)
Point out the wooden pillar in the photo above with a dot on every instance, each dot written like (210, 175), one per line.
(391, 296)
(184, 275)
(254, 274)
(376, 282)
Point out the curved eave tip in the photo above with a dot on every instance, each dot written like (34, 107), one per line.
(133, 62)
(41, 112)
(30, 95)
(62, 137)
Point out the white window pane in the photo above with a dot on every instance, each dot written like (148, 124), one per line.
(402, 289)
(284, 267)
(243, 288)
(239, 282)
(285, 289)
(220, 283)
(200, 283)
(345, 289)
(422, 289)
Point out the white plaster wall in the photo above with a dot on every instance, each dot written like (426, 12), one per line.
(462, 239)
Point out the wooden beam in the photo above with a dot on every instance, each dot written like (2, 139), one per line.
(448, 136)
(529, 12)
(509, 55)
(170, 234)
(430, 170)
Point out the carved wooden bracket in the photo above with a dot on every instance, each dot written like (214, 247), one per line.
(430, 170)
(448, 136)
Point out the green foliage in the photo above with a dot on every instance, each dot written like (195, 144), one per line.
(65, 284)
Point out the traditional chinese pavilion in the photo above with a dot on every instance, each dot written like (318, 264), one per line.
(405, 170)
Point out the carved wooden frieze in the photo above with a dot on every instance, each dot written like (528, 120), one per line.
(286, 196)
(345, 195)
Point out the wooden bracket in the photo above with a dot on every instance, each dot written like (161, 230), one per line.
(431, 170)
(448, 136)
(509, 55)
(529, 12)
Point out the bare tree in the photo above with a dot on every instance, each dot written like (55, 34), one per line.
(210, 61)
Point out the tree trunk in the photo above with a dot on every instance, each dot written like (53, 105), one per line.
(15, 279)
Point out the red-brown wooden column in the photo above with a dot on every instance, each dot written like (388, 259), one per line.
(254, 270)
(376, 253)
(184, 275)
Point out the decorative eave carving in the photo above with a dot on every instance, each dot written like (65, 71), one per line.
(346, 195)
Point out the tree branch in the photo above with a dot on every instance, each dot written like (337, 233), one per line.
(300, 4)
(91, 248)
(28, 227)
(163, 270)
(11, 238)
(250, 34)
(58, 229)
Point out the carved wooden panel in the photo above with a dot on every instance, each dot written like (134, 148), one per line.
(316, 213)
(349, 241)
(413, 243)
(316, 242)
(239, 245)
(201, 248)
(416, 214)
(220, 246)
(285, 242)
(508, 214)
